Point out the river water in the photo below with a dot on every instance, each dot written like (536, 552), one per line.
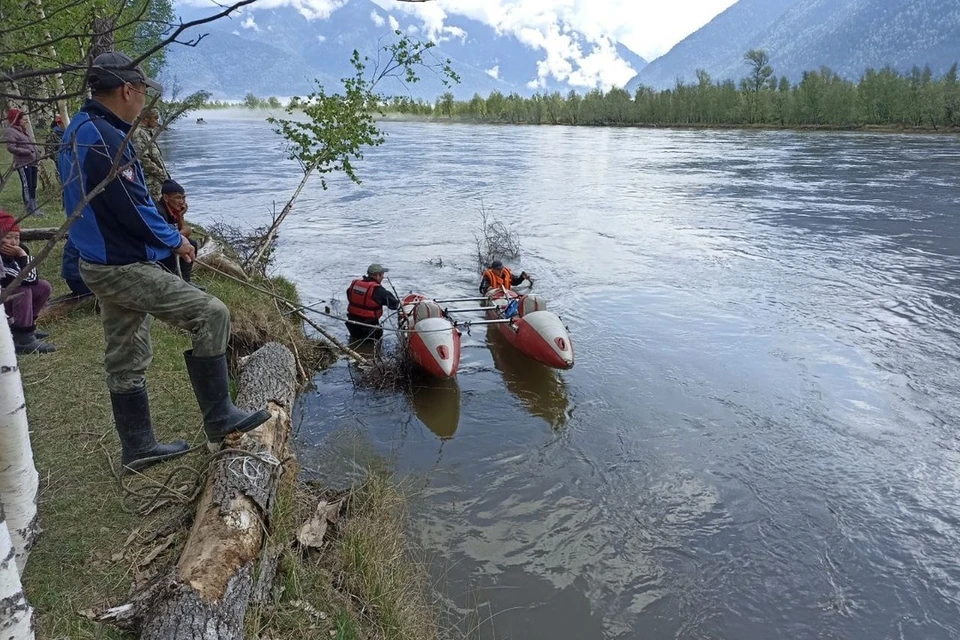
(759, 438)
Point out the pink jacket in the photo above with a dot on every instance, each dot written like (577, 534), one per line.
(24, 150)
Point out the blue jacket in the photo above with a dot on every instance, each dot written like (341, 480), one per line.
(120, 225)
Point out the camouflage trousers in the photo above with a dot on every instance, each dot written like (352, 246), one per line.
(129, 295)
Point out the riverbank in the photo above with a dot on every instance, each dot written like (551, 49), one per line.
(100, 537)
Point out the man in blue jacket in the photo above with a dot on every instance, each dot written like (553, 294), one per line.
(120, 237)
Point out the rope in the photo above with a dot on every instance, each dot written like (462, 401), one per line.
(456, 324)
(146, 500)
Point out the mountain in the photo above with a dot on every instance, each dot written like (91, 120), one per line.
(279, 51)
(800, 35)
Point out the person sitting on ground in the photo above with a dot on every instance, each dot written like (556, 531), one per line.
(499, 276)
(366, 299)
(144, 139)
(121, 236)
(31, 296)
(172, 205)
(26, 158)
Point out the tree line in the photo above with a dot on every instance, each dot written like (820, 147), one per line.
(822, 98)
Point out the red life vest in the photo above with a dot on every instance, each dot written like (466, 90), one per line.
(360, 301)
(497, 280)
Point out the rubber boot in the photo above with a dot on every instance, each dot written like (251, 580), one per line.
(131, 415)
(25, 342)
(41, 335)
(33, 209)
(211, 386)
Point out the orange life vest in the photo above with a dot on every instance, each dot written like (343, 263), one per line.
(360, 301)
(496, 280)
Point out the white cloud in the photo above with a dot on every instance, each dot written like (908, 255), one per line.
(494, 72)
(249, 23)
(394, 23)
(649, 27)
(377, 18)
(321, 37)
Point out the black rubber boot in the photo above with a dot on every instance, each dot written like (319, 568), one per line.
(131, 414)
(211, 386)
(25, 341)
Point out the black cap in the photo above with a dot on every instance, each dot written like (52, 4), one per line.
(496, 264)
(114, 69)
(171, 186)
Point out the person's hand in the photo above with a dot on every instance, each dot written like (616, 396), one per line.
(12, 250)
(186, 250)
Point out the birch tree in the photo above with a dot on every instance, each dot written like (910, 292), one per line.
(19, 480)
(16, 616)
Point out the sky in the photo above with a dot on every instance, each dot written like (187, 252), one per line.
(648, 27)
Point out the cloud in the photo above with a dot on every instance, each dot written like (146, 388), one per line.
(377, 18)
(321, 37)
(494, 72)
(394, 24)
(649, 27)
(249, 23)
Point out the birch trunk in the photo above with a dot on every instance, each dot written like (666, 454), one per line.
(19, 480)
(16, 616)
(57, 79)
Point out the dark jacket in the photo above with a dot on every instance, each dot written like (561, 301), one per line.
(12, 266)
(121, 225)
(382, 297)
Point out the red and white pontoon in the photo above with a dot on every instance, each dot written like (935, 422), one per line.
(431, 339)
(530, 328)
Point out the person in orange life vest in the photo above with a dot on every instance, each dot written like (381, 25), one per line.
(499, 276)
(366, 299)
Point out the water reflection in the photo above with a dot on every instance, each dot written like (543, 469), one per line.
(541, 389)
(436, 404)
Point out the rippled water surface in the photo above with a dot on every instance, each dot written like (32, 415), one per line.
(759, 439)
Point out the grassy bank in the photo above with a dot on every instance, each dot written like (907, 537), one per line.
(96, 542)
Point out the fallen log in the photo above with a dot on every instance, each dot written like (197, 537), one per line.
(209, 590)
(32, 235)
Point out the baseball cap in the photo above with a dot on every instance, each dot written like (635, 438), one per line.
(496, 265)
(375, 268)
(114, 69)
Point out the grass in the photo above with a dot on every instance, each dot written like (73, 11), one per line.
(95, 546)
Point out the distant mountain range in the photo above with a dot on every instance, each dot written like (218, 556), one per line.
(279, 52)
(800, 35)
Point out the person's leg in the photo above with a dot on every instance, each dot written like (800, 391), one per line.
(32, 172)
(20, 308)
(128, 354)
(41, 294)
(148, 288)
(24, 186)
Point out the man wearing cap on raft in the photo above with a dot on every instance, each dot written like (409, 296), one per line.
(121, 237)
(366, 299)
(498, 276)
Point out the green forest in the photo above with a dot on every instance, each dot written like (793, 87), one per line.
(881, 98)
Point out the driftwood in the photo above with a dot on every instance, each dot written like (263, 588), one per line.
(211, 254)
(209, 590)
(32, 235)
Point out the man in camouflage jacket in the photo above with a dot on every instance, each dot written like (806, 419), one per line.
(149, 153)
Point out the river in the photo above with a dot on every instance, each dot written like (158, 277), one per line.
(759, 438)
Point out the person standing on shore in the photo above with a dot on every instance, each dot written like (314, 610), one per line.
(121, 237)
(145, 141)
(26, 158)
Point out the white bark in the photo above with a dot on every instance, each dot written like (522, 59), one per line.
(19, 480)
(57, 79)
(16, 616)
